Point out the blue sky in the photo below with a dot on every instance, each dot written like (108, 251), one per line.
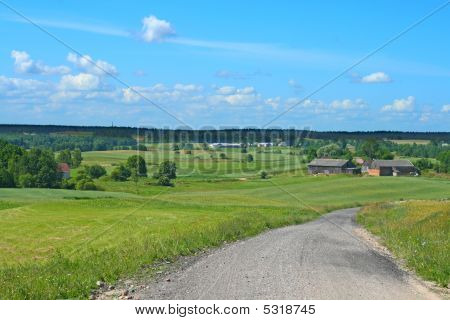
(229, 63)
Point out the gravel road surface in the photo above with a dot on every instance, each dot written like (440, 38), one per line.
(322, 259)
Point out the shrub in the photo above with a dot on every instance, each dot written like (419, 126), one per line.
(120, 173)
(264, 175)
(96, 171)
(27, 181)
(222, 156)
(86, 184)
(166, 168)
(68, 183)
(250, 158)
(164, 180)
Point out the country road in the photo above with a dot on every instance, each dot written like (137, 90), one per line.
(322, 259)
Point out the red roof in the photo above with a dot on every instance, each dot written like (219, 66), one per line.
(63, 167)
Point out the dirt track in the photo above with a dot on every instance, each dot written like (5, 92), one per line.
(323, 259)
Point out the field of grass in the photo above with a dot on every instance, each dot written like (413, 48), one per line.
(59, 243)
(416, 231)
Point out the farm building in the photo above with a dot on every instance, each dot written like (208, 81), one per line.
(218, 145)
(391, 168)
(332, 166)
(64, 169)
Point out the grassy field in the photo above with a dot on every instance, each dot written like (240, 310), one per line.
(416, 231)
(59, 243)
(405, 141)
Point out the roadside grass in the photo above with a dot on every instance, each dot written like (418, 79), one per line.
(417, 232)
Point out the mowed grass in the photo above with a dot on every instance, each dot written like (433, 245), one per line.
(416, 231)
(201, 164)
(58, 243)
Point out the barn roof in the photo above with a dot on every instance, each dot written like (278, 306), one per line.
(328, 162)
(63, 167)
(391, 163)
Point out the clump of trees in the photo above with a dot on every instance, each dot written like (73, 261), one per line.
(72, 158)
(166, 172)
(36, 168)
(84, 179)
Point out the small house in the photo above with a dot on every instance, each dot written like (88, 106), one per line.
(400, 167)
(332, 166)
(64, 169)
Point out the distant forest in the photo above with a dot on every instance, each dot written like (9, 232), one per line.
(99, 137)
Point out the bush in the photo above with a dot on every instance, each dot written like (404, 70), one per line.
(166, 168)
(27, 181)
(121, 173)
(68, 183)
(164, 180)
(86, 184)
(222, 156)
(96, 171)
(264, 175)
(250, 158)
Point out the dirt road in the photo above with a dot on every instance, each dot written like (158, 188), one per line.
(323, 259)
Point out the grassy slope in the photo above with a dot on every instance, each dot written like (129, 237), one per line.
(416, 231)
(71, 239)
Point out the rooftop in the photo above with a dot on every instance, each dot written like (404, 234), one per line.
(391, 163)
(328, 162)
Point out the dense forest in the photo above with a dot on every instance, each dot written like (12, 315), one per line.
(59, 138)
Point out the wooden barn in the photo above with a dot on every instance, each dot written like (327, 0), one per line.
(399, 167)
(64, 170)
(332, 166)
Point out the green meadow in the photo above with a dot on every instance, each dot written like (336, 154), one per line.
(56, 244)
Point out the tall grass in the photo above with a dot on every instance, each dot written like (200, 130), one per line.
(416, 231)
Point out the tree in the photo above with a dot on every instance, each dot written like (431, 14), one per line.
(137, 163)
(120, 173)
(329, 151)
(263, 175)
(96, 171)
(244, 150)
(167, 168)
(6, 179)
(65, 156)
(423, 164)
(76, 158)
(222, 156)
(444, 161)
(250, 158)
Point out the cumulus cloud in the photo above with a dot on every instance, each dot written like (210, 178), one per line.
(155, 30)
(235, 97)
(82, 81)
(273, 102)
(446, 108)
(89, 65)
(376, 77)
(187, 87)
(400, 105)
(347, 104)
(24, 64)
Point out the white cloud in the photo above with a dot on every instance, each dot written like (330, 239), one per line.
(400, 105)
(376, 77)
(273, 102)
(347, 104)
(89, 65)
(82, 81)
(154, 29)
(446, 108)
(226, 90)
(188, 87)
(24, 64)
